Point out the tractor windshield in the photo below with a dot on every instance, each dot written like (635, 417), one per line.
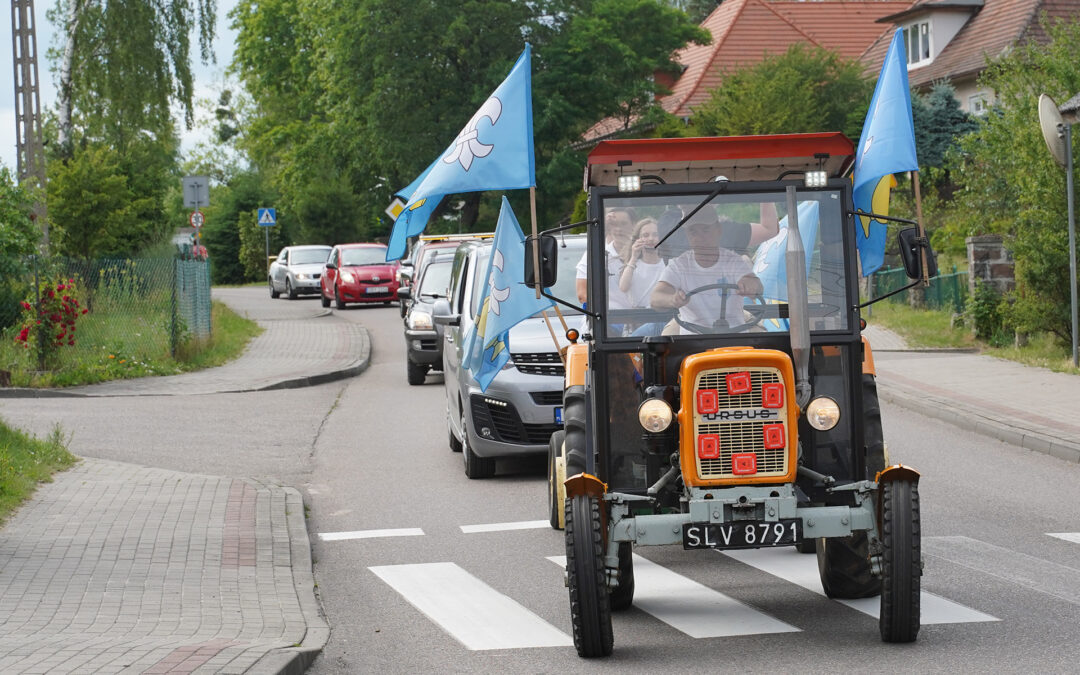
(722, 272)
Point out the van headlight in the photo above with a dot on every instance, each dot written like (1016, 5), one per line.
(420, 320)
(823, 413)
(654, 414)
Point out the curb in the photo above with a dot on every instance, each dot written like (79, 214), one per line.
(972, 419)
(296, 660)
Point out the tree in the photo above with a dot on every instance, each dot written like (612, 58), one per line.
(123, 63)
(805, 89)
(1010, 183)
(19, 235)
(92, 197)
(363, 95)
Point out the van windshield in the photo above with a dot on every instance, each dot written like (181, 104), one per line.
(571, 251)
(724, 270)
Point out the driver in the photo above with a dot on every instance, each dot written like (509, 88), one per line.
(705, 264)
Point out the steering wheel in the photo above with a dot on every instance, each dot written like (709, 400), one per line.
(720, 325)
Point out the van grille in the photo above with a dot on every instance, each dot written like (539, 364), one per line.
(505, 424)
(539, 363)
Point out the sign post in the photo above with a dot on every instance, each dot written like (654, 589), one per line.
(267, 219)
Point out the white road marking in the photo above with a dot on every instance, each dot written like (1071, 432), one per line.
(499, 527)
(371, 534)
(1018, 568)
(1074, 537)
(801, 570)
(692, 608)
(472, 612)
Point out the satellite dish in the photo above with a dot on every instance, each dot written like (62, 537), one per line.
(1050, 121)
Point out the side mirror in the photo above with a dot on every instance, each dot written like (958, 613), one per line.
(910, 246)
(441, 313)
(549, 261)
(404, 293)
(331, 266)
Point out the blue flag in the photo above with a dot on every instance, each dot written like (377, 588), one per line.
(886, 146)
(504, 302)
(494, 151)
(770, 264)
(410, 222)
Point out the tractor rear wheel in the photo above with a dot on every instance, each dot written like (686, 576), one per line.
(576, 425)
(590, 604)
(555, 488)
(623, 595)
(901, 561)
(844, 567)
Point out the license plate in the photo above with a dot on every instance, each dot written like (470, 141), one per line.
(558, 415)
(743, 534)
(377, 289)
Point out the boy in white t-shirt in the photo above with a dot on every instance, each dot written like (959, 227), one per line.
(617, 228)
(705, 264)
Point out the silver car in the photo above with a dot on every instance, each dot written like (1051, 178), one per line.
(522, 406)
(297, 270)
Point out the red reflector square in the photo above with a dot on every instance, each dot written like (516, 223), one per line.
(772, 395)
(708, 446)
(708, 401)
(738, 383)
(774, 436)
(744, 464)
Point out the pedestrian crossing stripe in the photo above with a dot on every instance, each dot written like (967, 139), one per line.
(475, 614)
(371, 534)
(693, 608)
(802, 570)
(501, 527)
(1074, 537)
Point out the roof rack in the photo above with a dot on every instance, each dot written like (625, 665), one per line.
(456, 237)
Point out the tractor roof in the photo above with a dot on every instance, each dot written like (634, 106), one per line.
(739, 158)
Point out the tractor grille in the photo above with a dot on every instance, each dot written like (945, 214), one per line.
(505, 425)
(538, 363)
(741, 435)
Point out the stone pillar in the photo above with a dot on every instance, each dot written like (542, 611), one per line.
(990, 262)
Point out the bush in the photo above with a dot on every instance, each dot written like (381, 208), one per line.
(986, 314)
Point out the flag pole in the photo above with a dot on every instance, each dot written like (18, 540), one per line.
(536, 239)
(919, 224)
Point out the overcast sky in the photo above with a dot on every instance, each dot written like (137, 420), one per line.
(208, 79)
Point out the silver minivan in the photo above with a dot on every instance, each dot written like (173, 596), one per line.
(522, 406)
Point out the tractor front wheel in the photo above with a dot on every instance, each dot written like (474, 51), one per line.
(844, 567)
(590, 604)
(622, 597)
(901, 561)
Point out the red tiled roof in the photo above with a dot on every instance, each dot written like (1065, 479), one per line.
(987, 35)
(745, 31)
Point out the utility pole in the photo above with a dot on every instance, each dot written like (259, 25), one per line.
(29, 143)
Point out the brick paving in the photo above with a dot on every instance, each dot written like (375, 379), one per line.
(116, 567)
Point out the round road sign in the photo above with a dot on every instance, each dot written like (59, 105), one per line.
(197, 219)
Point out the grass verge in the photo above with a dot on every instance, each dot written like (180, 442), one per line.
(926, 328)
(118, 353)
(935, 329)
(27, 461)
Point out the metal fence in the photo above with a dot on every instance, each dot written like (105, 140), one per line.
(946, 291)
(123, 308)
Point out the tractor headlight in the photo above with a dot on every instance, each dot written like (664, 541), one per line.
(816, 179)
(630, 183)
(823, 413)
(420, 320)
(654, 414)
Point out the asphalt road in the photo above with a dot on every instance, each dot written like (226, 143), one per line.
(370, 454)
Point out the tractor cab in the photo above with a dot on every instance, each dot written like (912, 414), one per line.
(721, 394)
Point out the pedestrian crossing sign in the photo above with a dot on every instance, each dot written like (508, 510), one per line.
(267, 217)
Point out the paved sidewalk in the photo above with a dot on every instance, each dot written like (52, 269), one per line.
(1031, 407)
(115, 567)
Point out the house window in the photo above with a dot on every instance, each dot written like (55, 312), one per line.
(917, 38)
(977, 104)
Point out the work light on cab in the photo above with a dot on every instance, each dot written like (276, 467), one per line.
(654, 414)
(823, 413)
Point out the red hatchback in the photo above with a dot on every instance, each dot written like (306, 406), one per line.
(358, 273)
